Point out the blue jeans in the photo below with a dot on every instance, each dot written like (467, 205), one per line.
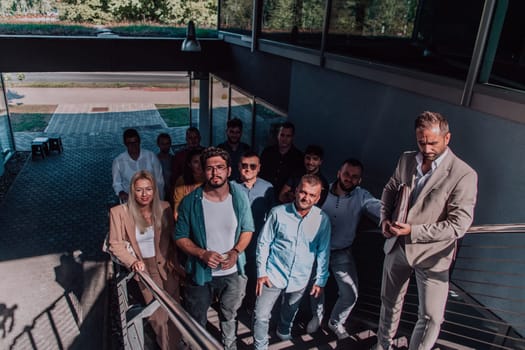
(263, 311)
(343, 268)
(230, 291)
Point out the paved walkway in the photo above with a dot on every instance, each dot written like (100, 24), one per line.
(53, 222)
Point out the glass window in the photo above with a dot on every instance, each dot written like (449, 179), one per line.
(91, 105)
(195, 102)
(297, 22)
(505, 53)
(236, 16)
(7, 147)
(435, 36)
(241, 107)
(103, 18)
(267, 122)
(220, 95)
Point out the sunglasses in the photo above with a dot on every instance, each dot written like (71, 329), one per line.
(252, 166)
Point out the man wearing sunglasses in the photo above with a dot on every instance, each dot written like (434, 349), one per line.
(261, 197)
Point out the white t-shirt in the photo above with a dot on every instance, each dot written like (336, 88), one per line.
(146, 242)
(220, 222)
(124, 167)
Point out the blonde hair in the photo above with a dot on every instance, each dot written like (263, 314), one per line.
(156, 207)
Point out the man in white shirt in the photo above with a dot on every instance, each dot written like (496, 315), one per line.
(126, 164)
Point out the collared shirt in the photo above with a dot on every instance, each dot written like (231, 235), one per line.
(277, 168)
(190, 224)
(421, 179)
(289, 244)
(261, 199)
(124, 167)
(345, 212)
(235, 156)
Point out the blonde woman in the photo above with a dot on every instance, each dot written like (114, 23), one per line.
(146, 223)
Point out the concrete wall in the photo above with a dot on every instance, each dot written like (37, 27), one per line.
(373, 122)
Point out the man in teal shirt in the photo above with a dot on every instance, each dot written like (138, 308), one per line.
(214, 227)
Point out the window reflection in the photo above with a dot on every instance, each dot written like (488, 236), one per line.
(505, 53)
(236, 16)
(241, 107)
(297, 22)
(267, 122)
(373, 18)
(435, 36)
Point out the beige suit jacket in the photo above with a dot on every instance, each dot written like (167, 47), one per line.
(122, 228)
(441, 214)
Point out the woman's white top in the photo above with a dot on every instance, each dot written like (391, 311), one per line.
(146, 241)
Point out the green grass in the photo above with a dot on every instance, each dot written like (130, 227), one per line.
(160, 31)
(139, 30)
(174, 115)
(46, 29)
(29, 121)
(30, 117)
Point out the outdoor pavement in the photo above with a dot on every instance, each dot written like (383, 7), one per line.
(53, 221)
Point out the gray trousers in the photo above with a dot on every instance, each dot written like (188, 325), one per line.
(432, 286)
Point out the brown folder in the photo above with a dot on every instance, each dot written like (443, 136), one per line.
(402, 204)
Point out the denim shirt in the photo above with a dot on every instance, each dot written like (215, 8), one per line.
(289, 244)
(345, 212)
(190, 224)
(261, 199)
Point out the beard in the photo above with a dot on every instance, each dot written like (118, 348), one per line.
(218, 184)
(345, 188)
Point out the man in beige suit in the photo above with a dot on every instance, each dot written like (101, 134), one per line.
(440, 210)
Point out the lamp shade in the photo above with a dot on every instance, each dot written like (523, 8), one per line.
(191, 44)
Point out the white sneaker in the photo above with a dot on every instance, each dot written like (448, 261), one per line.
(283, 336)
(338, 329)
(313, 325)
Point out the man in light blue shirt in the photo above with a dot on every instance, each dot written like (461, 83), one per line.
(295, 236)
(345, 204)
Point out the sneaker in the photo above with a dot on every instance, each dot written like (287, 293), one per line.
(313, 325)
(338, 329)
(283, 336)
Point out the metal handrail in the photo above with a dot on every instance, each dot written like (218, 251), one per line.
(192, 333)
(485, 324)
(497, 228)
